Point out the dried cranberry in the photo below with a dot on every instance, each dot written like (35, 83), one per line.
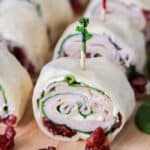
(1, 120)
(3, 139)
(77, 5)
(7, 139)
(146, 14)
(10, 133)
(10, 120)
(97, 55)
(20, 55)
(65, 131)
(120, 120)
(97, 141)
(116, 125)
(148, 46)
(3, 147)
(58, 129)
(49, 148)
(88, 55)
(139, 83)
(65, 54)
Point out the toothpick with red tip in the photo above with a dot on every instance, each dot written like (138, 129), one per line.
(103, 9)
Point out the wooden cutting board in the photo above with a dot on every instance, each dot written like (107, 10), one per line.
(29, 137)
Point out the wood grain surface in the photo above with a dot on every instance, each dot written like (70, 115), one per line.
(29, 136)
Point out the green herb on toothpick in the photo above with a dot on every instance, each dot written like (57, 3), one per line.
(82, 28)
(142, 118)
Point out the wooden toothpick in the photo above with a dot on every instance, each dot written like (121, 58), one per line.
(82, 28)
(103, 10)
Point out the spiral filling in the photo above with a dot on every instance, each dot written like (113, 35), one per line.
(69, 107)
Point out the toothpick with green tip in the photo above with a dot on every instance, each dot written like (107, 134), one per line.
(82, 28)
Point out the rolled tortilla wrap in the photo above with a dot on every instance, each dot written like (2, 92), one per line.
(144, 7)
(23, 34)
(15, 86)
(112, 40)
(67, 99)
(55, 15)
(115, 7)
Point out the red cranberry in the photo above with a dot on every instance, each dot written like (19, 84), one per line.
(65, 54)
(58, 129)
(3, 139)
(7, 139)
(97, 55)
(139, 83)
(1, 120)
(20, 55)
(10, 120)
(78, 5)
(49, 148)
(10, 133)
(120, 120)
(97, 141)
(88, 55)
(146, 14)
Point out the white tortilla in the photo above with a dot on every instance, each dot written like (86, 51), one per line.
(57, 15)
(20, 23)
(16, 83)
(99, 76)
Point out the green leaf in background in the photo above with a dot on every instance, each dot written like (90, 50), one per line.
(142, 118)
(130, 72)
